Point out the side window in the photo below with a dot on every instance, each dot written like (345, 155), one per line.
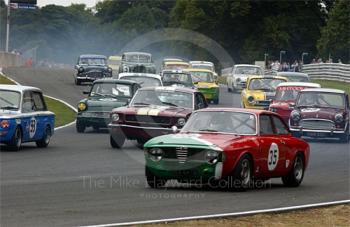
(27, 103)
(265, 125)
(200, 102)
(280, 127)
(39, 103)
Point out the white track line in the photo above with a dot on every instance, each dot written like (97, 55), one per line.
(244, 213)
(59, 100)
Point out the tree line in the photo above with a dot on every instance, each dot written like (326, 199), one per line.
(245, 29)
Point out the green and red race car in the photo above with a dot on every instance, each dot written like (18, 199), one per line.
(230, 145)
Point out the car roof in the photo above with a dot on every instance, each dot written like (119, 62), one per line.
(177, 63)
(115, 57)
(92, 56)
(156, 76)
(330, 90)
(298, 84)
(292, 74)
(177, 59)
(18, 88)
(202, 62)
(174, 89)
(144, 53)
(242, 65)
(232, 109)
(198, 70)
(112, 80)
(267, 77)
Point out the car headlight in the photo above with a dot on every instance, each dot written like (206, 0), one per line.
(238, 79)
(81, 69)
(250, 99)
(155, 154)
(339, 118)
(4, 124)
(272, 109)
(212, 156)
(181, 121)
(295, 115)
(125, 69)
(82, 106)
(115, 117)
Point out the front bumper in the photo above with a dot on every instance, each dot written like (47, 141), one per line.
(138, 132)
(88, 78)
(209, 94)
(100, 119)
(316, 133)
(188, 171)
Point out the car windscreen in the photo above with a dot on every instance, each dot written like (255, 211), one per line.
(144, 81)
(9, 100)
(248, 70)
(163, 98)
(222, 122)
(285, 93)
(321, 99)
(92, 61)
(292, 78)
(141, 58)
(111, 90)
(202, 77)
(265, 84)
(176, 78)
(202, 66)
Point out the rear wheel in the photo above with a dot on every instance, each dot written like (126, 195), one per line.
(229, 89)
(117, 141)
(153, 181)
(44, 142)
(296, 174)
(16, 140)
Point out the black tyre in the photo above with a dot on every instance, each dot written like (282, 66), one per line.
(16, 140)
(80, 127)
(77, 82)
(296, 175)
(96, 128)
(242, 175)
(117, 141)
(140, 143)
(44, 142)
(216, 101)
(229, 89)
(344, 138)
(154, 181)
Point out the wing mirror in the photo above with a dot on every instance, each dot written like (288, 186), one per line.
(175, 129)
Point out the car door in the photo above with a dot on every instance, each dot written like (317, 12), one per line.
(28, 119)
(271, 152)
(41, 115)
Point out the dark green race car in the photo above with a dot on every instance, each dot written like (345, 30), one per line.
(105, 95)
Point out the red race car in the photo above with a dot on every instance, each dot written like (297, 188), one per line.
(223, 144)
(153, 111)
(286, 93)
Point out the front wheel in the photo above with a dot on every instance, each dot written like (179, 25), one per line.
(216, 101)
(117, 141)
(44, 142)
(242, 174)
(80, 127)
(153, 181)
(16, 141)
(296, 175)
(229, 89)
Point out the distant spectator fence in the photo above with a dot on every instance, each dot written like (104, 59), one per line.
(328, 71)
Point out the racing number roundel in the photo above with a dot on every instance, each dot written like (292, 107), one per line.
(272, 159)
(32, 127)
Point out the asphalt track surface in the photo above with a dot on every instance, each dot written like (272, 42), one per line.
(80, 180)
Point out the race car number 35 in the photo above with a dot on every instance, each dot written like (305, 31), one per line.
(32, 127)
(273, 156)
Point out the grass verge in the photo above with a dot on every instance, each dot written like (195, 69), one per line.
(64, 114)
(334, 84)
(327, 216)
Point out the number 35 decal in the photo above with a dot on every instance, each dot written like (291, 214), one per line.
(272, 159)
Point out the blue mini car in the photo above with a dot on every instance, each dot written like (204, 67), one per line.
(24, 117)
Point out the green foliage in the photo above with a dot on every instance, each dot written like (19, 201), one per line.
(335, 38)
(246, 29)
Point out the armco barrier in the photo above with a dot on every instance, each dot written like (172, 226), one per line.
(9, 60)
(328, 71)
